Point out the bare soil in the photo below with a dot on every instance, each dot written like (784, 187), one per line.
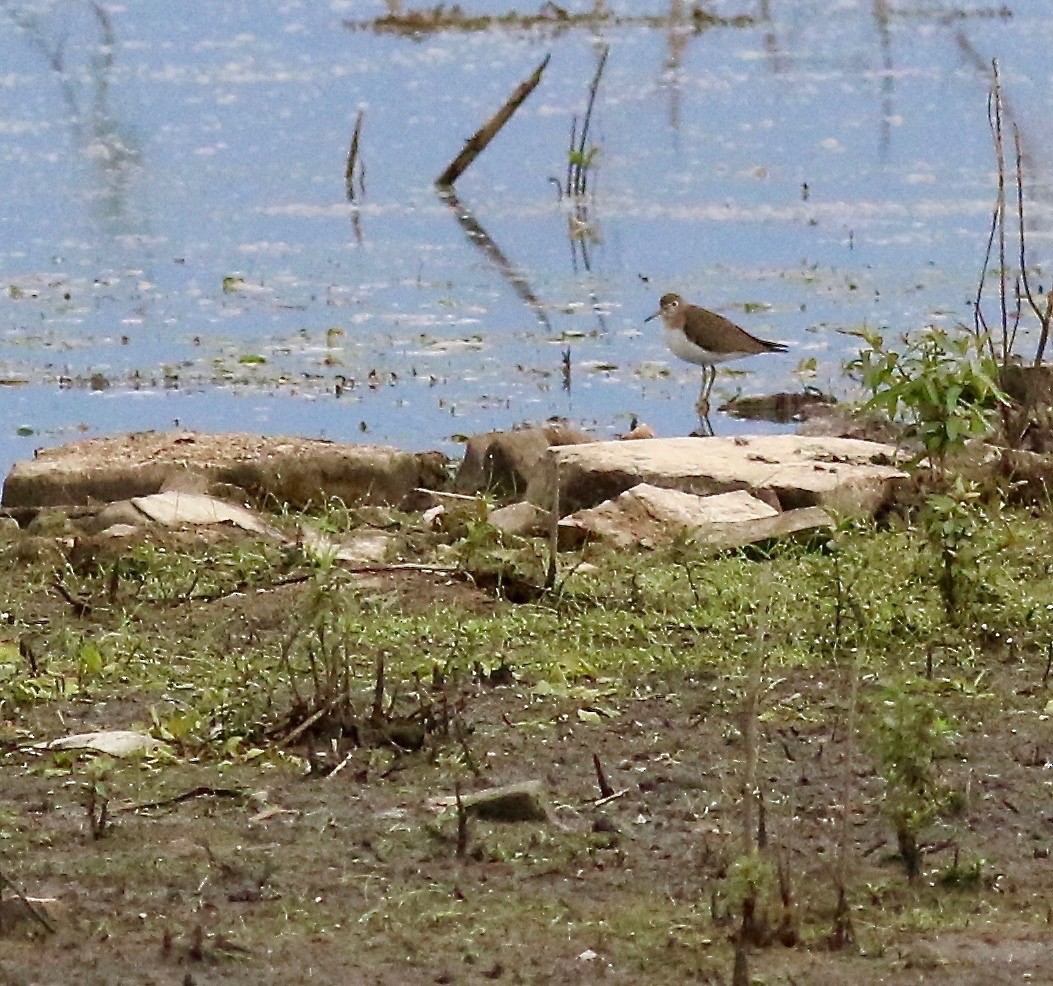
(267, 871)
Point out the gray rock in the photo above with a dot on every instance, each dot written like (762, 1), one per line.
(842, 475)
(522, 519)
(122, 512)
(296, 471)
(505, 461)
(523, 802)
(650, 515)
(51, 523)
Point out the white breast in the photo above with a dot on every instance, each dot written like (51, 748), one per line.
(680, 346)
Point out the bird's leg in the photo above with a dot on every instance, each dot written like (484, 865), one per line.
(709, 374)
(702, 404)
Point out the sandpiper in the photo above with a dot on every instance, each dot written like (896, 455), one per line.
(706, 338)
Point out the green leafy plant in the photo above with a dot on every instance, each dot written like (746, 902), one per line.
(908, 735)
(96, 794)
(942, 384)
(950, 521)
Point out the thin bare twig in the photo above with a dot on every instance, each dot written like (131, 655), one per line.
(1043, 336)
(995, 111)
(202, 791)
(581, 176)
(1020, 221)
(35, 912)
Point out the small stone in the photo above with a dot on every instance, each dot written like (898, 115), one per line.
(506, 461)
(118, 531)
(523, 802)
(521, 519)
(640, 431)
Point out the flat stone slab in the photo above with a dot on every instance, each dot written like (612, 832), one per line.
(173, 509)
(842, 475)
(296, 471)
(649, 515)
(114, 742)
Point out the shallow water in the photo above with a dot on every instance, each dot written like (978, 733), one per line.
(173, 209)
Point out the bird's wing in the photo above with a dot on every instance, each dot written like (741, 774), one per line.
(720, 334)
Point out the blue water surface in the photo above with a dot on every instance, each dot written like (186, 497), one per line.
(177, 248)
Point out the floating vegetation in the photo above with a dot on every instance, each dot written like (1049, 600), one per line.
(550, 16)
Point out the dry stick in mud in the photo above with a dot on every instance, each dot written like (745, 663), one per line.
(843, 934)
(476, 144)
(601, 777)
(752, 806)
(352, 159)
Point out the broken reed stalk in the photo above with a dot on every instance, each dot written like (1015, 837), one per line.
(997, 229)
(477, 143)
(352, 158)
(581, 177)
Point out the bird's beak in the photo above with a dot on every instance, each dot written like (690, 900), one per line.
(655, 315)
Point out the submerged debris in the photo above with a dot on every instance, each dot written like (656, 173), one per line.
(549, 16)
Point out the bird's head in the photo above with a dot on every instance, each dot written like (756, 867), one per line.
(668, 305)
